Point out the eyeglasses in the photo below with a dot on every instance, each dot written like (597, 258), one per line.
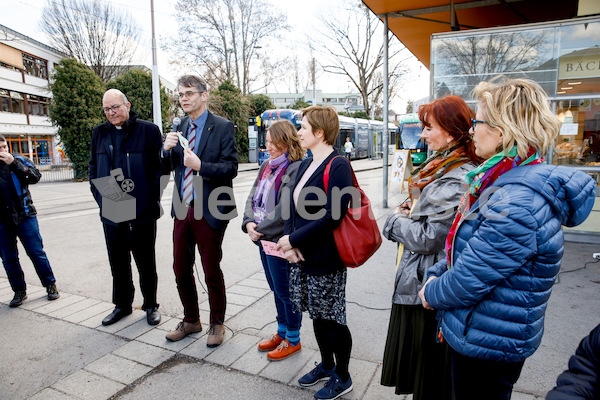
(187, 94)
(113, 108)
(474, 123)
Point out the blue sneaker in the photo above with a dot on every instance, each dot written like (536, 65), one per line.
(334, 388)
(316, 375)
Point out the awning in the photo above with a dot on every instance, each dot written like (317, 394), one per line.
(414, 21)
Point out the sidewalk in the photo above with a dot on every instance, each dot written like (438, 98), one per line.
(60, 350)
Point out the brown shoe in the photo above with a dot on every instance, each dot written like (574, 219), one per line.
(183, 329)
(215, 335)
(270, 344)
(283, 351)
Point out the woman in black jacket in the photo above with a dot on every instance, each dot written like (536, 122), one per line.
(318, 275)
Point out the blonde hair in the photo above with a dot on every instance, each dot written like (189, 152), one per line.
(284, 134)
(324, 118)
(520, 110)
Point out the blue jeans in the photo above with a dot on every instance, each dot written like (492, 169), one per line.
(28, 232)
(277, 271)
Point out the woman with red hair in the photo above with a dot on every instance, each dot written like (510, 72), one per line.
(413, 362)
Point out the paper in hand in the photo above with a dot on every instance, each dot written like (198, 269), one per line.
(269, 248)
(183, 141)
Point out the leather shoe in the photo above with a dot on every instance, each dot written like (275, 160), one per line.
(152, 316)
(115, 316)
(215, 335)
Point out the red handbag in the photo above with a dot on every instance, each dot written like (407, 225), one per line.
(357, 237)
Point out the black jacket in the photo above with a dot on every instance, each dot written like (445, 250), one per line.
(219, 164)
(314, 237)
(582, 380)
(140, 148)
(15, 200)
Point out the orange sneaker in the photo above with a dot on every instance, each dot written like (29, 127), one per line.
(270, 344)
(283, 351)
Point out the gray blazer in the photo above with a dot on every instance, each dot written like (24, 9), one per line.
(272, 226)
(424, 233)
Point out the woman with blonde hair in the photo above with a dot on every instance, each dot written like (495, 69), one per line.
(263, 221)
(505, 245)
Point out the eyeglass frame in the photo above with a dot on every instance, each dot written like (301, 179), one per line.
(187, 94)
(474, 123)
(114, 108)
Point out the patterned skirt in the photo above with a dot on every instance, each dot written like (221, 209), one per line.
(324, 297)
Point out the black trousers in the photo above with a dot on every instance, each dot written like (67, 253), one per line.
(122, 241)
(475, 378)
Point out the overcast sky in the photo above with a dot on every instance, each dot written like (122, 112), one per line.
(23, 16)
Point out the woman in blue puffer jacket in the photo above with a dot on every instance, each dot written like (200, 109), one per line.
(506, 243)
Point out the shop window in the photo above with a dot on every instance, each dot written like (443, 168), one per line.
(579, 140)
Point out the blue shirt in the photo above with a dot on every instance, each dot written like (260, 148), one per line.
(200, 122)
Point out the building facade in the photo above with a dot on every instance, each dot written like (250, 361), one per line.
(25, 69)
(347, 102)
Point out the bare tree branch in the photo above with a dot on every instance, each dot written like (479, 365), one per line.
(221, 38)
(354, 46)
(92, 32)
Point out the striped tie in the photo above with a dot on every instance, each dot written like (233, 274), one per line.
(188, 187)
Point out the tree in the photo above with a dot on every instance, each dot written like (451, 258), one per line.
(299, 105)
(409, 106)
(228, 102)
(356, 52)
(223, 36)
(76, 109)
(136, 84)
(258, 103)
(92, 32)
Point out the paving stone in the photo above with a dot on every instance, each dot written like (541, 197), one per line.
(51, 394)
(229, 352)
(86, 385)
(61, 302)
(139, 328)
(4, 283)
(256, 283)
(376, 391)
(252, 362)
(240, 299)
(144, 353)
(259, 276)
(39, 299)
(247, 291)
(156, 337)
(73, 308)
(232, 310)
(286, 370)
(135, 316)
(95, 321)
(118, 369)
(362, 373)
(35, 294)
(200, 350)
(93, 311)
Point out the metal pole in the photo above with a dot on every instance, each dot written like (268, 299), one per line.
(156, 110)
(384, 139)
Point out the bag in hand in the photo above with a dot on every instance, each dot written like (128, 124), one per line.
(357, 237)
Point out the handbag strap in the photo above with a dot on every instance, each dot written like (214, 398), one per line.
(328, 168)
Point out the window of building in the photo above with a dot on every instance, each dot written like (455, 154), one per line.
(17, 102)
(41, 147)
(37, 105)
(35, 66)
(5, 100)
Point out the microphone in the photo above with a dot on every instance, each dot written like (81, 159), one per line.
(176, 123)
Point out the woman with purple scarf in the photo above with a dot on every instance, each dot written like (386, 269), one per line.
(264, 222)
